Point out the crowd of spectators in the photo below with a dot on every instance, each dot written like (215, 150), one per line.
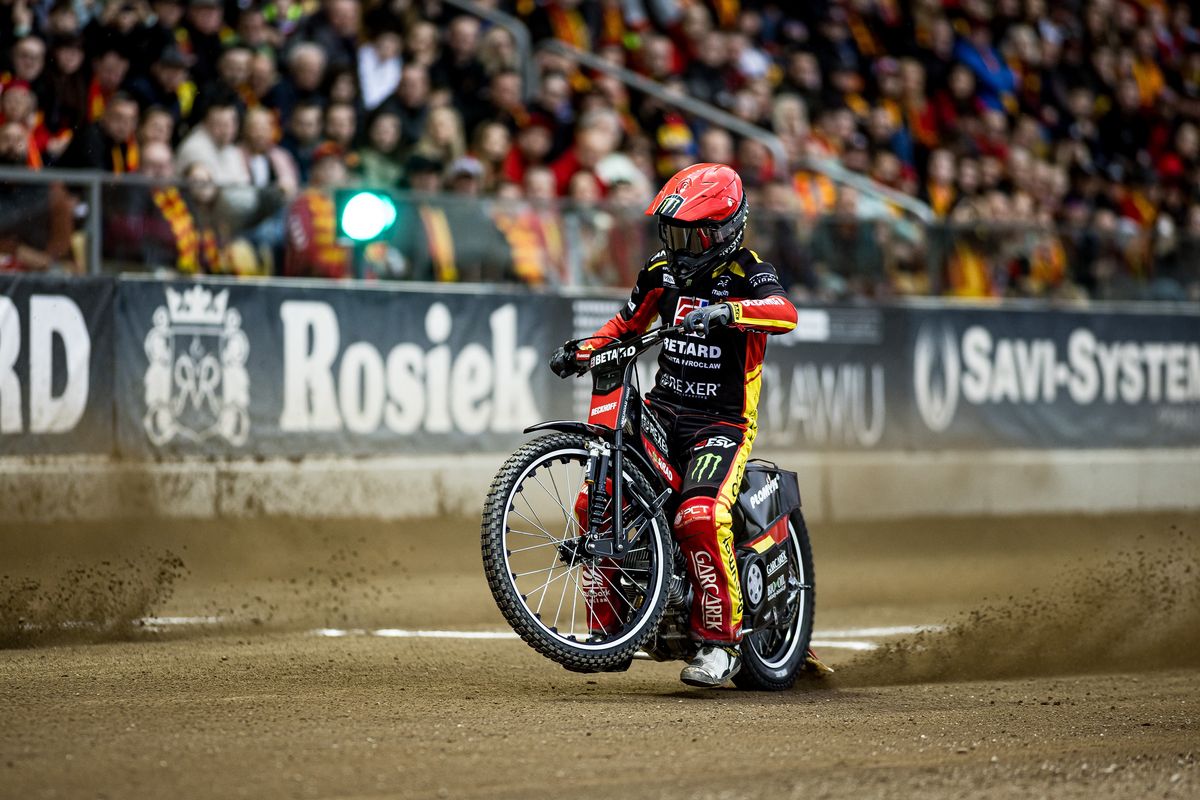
(1057, 144)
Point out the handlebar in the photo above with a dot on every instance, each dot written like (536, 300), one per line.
(641, 343)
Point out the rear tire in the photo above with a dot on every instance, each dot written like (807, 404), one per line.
(771, 659)
(574, 650)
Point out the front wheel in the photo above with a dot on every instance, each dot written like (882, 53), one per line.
(588, 613)
(772, 657)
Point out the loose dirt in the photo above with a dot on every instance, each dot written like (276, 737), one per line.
(1083, 684)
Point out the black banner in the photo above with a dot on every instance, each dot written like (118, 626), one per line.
(925, 378)
(293, 369)
(56, 364)
(297, 368)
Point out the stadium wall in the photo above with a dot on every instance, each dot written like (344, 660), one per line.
(232, 398)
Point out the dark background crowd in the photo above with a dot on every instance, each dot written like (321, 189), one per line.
(1056, 144)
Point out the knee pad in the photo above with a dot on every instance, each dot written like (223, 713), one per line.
(696, 516)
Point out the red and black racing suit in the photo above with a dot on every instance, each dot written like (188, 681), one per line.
(706, 396)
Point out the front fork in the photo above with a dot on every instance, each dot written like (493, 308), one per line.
(603, 462)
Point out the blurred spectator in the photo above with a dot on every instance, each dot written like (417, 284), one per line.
(380, 161)
(335, 29)
(459, 69)
(306, 75)
(201, 38)
(64, 98)
(413, 101)
(424, 174)
(269, 164)
(491, 145)
(212, 143)
(152, 225)
(341, 126)
(312, 249)
(443, 138)
(110, 144)
(28, 63)
(379, 65)
(303, 136)
(202, 196)
(157, 125)
(109, 69)
(166, 86)
(846, 254)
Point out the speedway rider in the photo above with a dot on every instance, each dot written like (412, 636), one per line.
(708, 383)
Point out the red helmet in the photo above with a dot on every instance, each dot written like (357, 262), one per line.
(701, 217)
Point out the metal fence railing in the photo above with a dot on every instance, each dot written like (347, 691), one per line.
(90, 222)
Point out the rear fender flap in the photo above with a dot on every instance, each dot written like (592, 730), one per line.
(768, 494)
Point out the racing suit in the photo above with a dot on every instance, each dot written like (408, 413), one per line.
(706, 396)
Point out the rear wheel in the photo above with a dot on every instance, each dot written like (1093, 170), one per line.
(772, 657)
(545, 583)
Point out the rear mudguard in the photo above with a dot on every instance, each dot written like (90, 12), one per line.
(604, 434)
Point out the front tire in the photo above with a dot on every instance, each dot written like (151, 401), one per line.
(528, 520)
(772, 658)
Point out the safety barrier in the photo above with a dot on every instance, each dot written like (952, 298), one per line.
(148, 369)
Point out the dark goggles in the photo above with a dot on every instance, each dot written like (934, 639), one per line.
(699, 238)
(678, 239)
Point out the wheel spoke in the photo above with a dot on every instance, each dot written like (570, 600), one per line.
(557, 493)
(534, 524)
(568, 517)
(535, 571)
(558, 611)
(543, 588)
(536, 536)
(532, 546)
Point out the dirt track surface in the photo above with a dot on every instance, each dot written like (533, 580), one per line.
(1086, 683)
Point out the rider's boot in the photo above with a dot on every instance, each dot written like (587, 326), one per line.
(712, 666)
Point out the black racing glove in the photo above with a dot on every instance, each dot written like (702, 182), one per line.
(699, 320)
(564, 362)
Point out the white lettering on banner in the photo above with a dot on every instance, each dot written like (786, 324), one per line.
(309, 400)
(360, 388)
(50, 317)
(984, 369)
(10, 384)
(826, 404)
(412, 388)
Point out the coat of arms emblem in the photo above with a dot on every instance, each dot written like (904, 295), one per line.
(196, 384)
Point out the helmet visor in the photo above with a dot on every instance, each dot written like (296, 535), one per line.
(679, 239)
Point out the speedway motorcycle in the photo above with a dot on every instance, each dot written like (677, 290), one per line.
(576, 523)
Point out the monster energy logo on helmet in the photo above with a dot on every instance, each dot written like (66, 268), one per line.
(670, 204)
(706, 463)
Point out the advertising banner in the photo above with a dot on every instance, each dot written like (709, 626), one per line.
(159, 369)
(300, 368)
(1067, 379)
(56, 364)
(924, 378)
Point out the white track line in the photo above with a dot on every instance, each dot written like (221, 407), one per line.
(836, 639)
(858, 639)
(896, 630)
(167, 622)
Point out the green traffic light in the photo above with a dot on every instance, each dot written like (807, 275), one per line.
(367, 215)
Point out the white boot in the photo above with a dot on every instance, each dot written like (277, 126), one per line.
(711, 667)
